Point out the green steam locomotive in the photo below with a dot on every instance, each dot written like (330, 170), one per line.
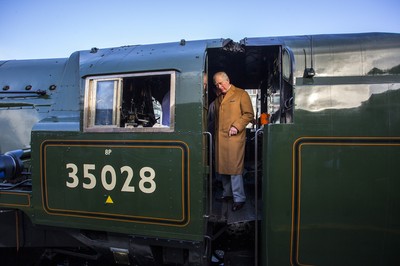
(106, 157)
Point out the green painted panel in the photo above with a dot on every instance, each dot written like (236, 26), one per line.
(14, 199)
(344, 200)
(115, 180)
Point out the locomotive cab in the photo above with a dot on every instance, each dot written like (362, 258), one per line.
(118, 130)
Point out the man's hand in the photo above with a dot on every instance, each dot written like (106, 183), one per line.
(233, 131)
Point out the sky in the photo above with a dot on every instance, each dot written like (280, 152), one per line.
(32, 29)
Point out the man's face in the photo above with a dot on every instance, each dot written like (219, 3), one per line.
(221, 84)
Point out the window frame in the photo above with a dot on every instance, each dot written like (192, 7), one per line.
(90, 103)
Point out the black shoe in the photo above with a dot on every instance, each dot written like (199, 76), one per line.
(237, 206)
(224, 198)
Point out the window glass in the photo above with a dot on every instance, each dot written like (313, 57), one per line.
(286, 65)
(105, 103)
(135, 102)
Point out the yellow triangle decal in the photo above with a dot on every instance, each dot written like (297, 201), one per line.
(109, 200)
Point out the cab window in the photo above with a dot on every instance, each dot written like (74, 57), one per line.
(130, 102)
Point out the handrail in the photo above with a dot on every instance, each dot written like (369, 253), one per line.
(256, 194)
(210, 163)
(38, 92)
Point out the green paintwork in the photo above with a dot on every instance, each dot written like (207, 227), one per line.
(330, 176)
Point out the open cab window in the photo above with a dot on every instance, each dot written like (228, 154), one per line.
(130, 102)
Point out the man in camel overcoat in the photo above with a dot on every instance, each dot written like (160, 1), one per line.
(234, 111)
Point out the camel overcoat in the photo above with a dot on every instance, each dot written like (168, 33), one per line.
(233, 109)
